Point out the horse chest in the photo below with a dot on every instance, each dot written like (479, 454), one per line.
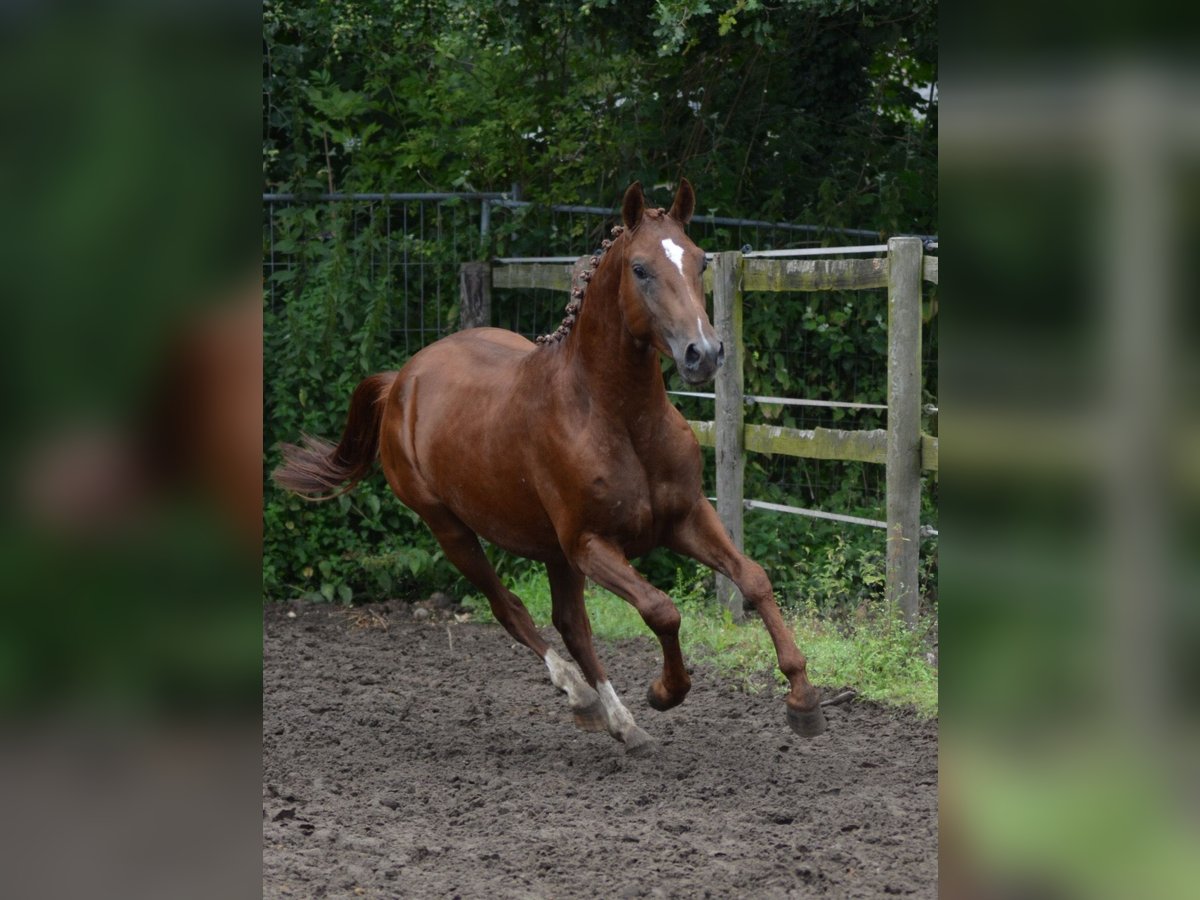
(619, 501)
(632, 496)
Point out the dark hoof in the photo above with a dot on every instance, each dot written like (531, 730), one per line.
(639, 743)
(663, 703)
(806, 723)
(590, 717)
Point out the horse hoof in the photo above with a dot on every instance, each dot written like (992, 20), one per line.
(590, 717)
(806, 722)
(639, 743)
(657, 702)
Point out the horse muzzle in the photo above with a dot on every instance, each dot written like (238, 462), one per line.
(700, 361)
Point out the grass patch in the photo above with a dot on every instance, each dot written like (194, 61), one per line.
(876, 654)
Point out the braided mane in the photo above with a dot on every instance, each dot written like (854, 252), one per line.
(577, 293)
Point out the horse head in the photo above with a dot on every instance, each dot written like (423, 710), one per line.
(661, 287)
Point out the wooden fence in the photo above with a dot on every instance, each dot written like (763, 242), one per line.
(902, 447)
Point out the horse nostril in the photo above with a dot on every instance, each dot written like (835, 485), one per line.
(691, 356)
(720, 354)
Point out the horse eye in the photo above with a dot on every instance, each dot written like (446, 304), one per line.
(639, 270)
(703, 263)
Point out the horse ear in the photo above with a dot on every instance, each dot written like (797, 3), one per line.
(685, 203)
(632, 206)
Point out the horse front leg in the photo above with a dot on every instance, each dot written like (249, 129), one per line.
(702, 537)
(606, 565)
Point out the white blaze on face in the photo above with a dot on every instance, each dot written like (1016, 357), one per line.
(703, 337)
(674, 253)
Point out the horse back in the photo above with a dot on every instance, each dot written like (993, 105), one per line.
(459, 390)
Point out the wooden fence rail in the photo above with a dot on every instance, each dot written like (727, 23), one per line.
(902, 448)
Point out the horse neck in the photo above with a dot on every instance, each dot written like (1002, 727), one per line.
(618, 372)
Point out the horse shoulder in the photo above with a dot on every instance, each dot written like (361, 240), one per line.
(674, 466)
(673, 446)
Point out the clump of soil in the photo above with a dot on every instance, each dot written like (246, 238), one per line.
(432, 757)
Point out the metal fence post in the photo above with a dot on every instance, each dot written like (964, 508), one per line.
(904, 425)
(730, 437)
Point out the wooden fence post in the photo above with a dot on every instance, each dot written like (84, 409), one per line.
(475, 295)
(730, 409)
(904, 425)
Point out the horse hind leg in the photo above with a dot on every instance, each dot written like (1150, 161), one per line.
(462, 549)
(585, 702)
(593, 709)
(566, 590)
(603, 710)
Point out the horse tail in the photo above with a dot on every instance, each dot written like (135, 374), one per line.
(316, 469)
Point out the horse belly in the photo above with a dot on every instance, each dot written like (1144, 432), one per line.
(506, 512)
(479, 472)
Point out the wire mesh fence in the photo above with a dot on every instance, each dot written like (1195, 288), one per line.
(410, 245)
(406, 250)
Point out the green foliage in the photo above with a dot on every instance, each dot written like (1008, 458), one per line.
(878, 655)
(836, 574)
(333, 327)
(810, 111)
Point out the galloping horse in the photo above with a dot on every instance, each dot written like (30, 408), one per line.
(568, 452)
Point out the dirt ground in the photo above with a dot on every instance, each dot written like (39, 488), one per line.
(423, 757)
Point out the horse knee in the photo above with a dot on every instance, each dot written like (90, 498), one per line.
(662, 615)
(754, 583)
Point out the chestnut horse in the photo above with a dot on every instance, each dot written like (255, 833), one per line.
(570, 453)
